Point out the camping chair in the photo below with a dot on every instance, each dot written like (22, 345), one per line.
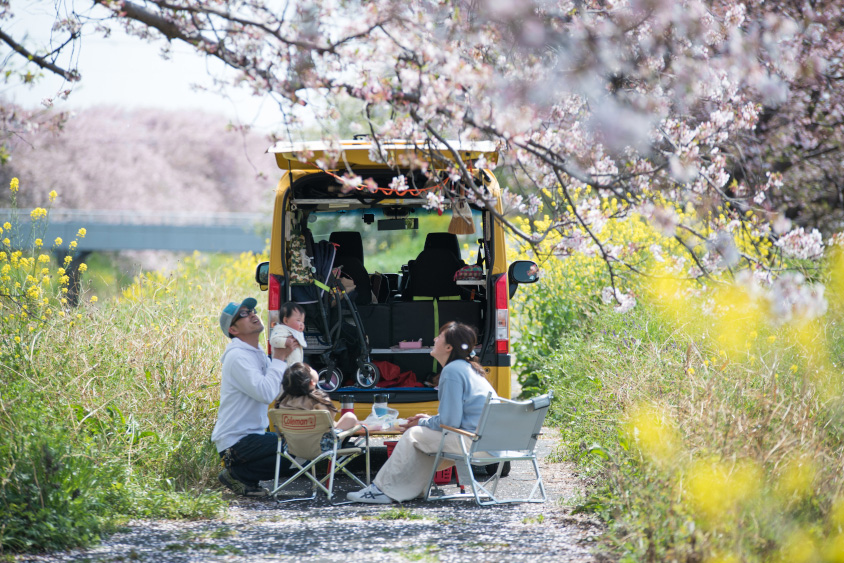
(507, 431)
(307, 437)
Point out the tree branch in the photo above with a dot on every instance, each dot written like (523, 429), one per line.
(69, 75)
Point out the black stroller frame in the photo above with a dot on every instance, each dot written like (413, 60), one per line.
(328, 298)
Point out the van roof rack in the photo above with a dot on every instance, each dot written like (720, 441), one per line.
(303, 155)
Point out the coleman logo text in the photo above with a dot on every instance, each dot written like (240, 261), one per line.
(299, 422)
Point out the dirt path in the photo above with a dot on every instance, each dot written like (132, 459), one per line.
(449, 531)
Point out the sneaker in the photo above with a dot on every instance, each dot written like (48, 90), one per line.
(369, 495)
(239, 487)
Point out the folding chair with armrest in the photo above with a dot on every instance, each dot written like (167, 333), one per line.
(310, 435)
(507, 431)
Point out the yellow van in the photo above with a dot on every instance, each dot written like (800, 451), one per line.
(379, 267)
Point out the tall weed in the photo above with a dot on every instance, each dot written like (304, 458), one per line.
(106, 409)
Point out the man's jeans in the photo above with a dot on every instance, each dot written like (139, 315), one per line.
(252, 458)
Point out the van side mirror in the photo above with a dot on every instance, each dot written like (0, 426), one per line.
(521, 271)
(262, 275)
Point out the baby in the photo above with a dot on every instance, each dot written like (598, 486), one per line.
(300, 391)
(292, 324)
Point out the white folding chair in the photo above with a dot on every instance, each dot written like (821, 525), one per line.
(305, 438)
(507, 431)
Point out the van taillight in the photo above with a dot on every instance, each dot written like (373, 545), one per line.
(502, 317)
(274, 297)
(273, 304)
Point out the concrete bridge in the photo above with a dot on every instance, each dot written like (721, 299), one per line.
(136, 230)
(143, 230)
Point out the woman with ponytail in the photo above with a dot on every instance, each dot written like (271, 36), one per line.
(462, 393)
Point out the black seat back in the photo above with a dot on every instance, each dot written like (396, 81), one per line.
(432, 274)
(446, 241)
(353, 268)
(350, 243)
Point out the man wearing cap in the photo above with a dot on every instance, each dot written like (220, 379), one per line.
(249, 383)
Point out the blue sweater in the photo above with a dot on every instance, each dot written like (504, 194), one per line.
(462, 394)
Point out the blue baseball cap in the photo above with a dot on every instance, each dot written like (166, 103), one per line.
(229, 314)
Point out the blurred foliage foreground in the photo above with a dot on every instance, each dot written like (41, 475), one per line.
(106, 409)
(709, 416)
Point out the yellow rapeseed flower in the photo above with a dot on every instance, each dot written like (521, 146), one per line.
(714, 488)
(833, 549)
(799, 547)
(7, 225)
(836, 513)
(7, 242)
(13, 185)
(58, 241)
(796, 478)
(719, 557)
(53, 195)
(82, 232)
(93, 299)
(18, 339)
(653, 430)
(38, 213)
(39, 243)
(83, 267)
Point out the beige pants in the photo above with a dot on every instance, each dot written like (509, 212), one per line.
(408, 469)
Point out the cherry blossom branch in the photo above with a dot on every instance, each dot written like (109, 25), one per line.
(69, 75)
(604, 255)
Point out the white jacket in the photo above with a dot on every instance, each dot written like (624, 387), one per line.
(250, 381)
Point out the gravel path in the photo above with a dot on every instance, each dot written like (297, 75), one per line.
(313, 531)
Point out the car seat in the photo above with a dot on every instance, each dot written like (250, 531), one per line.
(440, 242)
(432, 275)
(446, 241)
(349, 243)
(350, 256)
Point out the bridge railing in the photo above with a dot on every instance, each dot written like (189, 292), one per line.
(131, 217)
(108, 230)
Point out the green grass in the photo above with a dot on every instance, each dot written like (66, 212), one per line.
(109, 410)
(426, 553)
(697, 454)
(399, 513)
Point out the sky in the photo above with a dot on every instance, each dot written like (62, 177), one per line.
(128, 72)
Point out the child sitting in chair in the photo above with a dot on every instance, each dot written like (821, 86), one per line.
(300, 391)
(292, 324)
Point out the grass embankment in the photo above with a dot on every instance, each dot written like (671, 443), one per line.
(700, 449)
(709, 416)
(106, 409)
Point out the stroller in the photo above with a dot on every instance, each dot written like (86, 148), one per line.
(338, 330)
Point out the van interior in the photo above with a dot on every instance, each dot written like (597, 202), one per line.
(402, 259)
